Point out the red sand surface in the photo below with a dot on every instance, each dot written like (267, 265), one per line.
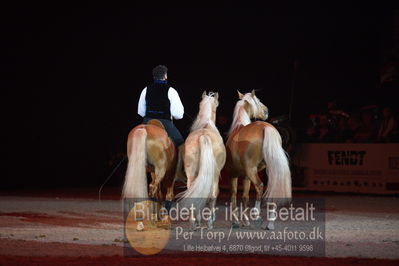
(59, 220)
(29, 252)
(81, 193)
(91, 255)
(204, 260)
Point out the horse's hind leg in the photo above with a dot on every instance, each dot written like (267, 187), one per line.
(233, 200)
(191, 169)
(154, 189)
(272, 214)
(156, 179)
(169, 184)
(153, 200)
(245, 199)
(212, 202)
(253, 176)
(179, 172)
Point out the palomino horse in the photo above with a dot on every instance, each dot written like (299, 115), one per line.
(149, 149)
(252, 147)
(204, 156)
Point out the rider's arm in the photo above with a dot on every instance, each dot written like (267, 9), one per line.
(141, 109)
(176, 106)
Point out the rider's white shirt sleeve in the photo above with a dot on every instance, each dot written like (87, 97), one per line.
(141, 109)
(176, 106)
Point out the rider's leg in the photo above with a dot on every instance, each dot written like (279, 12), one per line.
(173, 132)
(170, 128)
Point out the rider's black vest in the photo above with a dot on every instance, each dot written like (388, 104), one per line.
(157, 101)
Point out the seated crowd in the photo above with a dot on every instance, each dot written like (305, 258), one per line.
(367, 125)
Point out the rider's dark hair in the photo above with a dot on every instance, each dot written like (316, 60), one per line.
(159, 72)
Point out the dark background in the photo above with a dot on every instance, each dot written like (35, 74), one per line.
(74, 74)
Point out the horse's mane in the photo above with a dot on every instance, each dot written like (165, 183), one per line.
(205, 113)
(240, 116)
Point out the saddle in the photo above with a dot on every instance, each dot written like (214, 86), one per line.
(156, 122)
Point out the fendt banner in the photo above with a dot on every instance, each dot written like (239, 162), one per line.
(347, 167)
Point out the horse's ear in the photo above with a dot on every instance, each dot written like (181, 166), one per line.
(240, 95)
(203, 94)
(253, 93)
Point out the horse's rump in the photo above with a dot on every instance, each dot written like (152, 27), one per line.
(159, 146)
(148, 148)
(259, 145)
(244, 148)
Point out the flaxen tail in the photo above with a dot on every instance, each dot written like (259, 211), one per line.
(201, 188)
(136, 177)
(277, 167)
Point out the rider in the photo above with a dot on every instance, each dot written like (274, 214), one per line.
(162, 102)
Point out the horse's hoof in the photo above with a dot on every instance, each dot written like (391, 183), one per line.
(245, 223)
(210, 225)
(270, 226)
(235, 225)
(140, 226)
(195, 226)
(258, 222)
(166, 224)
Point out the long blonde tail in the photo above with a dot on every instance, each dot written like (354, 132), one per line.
(136, 177)
(201, 188)
(277, 167)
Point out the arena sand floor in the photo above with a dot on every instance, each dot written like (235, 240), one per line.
(71, 226)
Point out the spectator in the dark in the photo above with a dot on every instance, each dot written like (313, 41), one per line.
(310, 134)
(389, 126)
(334, 113)
(324, 133)
(311, 129)
(367, 132)
(354, 124)
(342, 131)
